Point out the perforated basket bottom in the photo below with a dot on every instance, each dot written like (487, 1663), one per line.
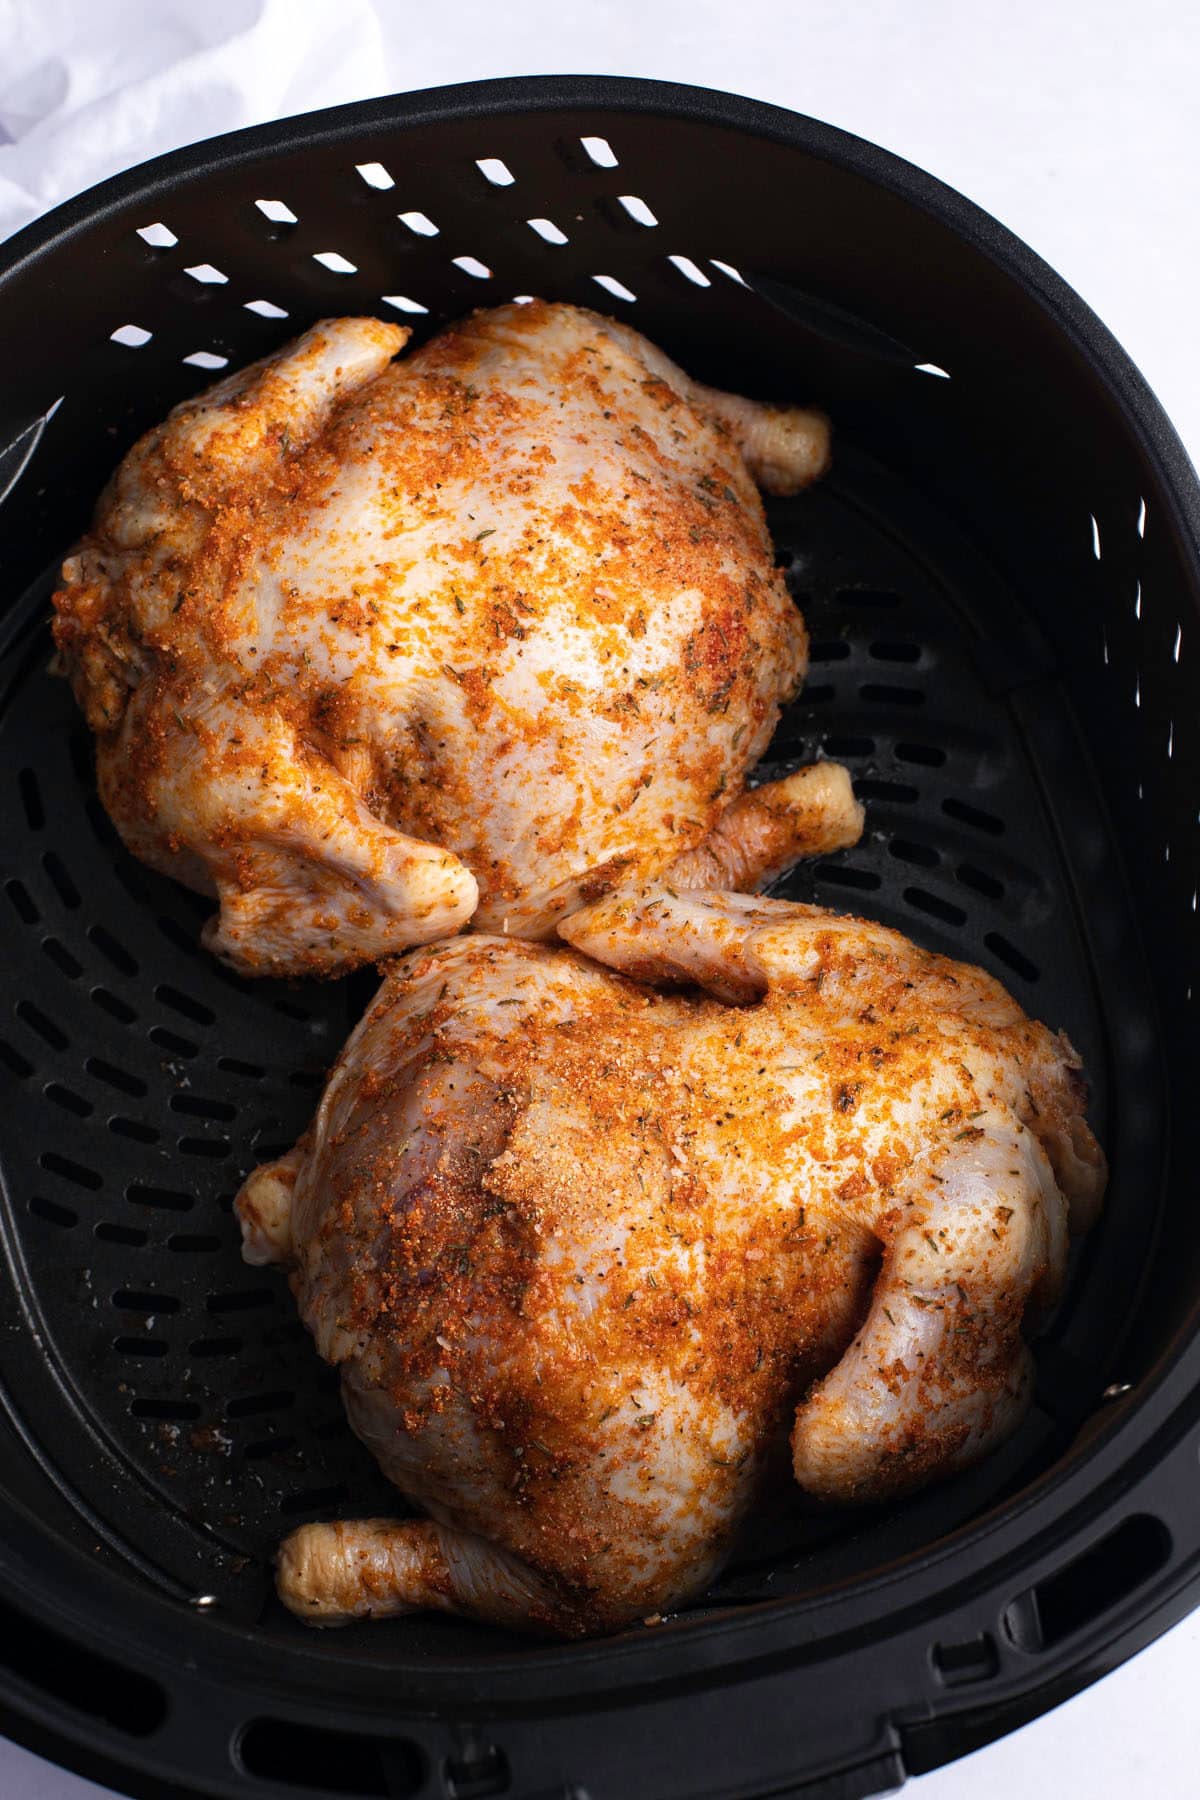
(170, 1387)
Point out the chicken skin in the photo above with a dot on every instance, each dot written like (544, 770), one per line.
(373, 648)
(585, 1251)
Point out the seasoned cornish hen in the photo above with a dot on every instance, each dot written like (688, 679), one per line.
(373, 647)
(584, 1251)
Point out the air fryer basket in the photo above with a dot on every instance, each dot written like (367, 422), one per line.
(1001, 577)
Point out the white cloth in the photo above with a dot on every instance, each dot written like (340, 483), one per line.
(91, 87)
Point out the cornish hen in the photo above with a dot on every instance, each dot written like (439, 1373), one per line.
(372, 648)
(582, 1249)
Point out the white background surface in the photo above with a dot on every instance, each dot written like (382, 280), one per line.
(1077, 124)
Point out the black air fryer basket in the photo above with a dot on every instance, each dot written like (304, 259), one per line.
(1002, 580)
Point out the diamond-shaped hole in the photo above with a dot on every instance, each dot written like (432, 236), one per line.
(206, 274)
(403, 303)
(547, 230)
(600, 151)
(158, 236)
(277, 211)
(266, 309)
(132, 336)
(637, 209)
(728, 269)
(687, 267)
(206, 359)
(611, 285)
(334, 261)
(495, 171)
(419, 222)
(375, 175)
(471, 265)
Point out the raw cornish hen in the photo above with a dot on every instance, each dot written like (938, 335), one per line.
(583, 1251)
(371, 648)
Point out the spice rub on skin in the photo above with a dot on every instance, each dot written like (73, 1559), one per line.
(584, 1252)
(375, 647)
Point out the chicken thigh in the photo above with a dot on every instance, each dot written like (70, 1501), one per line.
(584, 1252)
(372, 648)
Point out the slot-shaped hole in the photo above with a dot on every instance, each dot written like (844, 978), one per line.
(241, 1300)
(113, 1005)
(418, 222)
(978, 879)
(728, 269)
(45, 1028)
(131, 336)
(78, 1679)
(249, 1406)
(471, 265)
(127, 1235)
(599, 151)
(935, 906)
(266, 309)
(1011, 957)
(121, 1079)
(161, 1199)
(848, 747)
(22, 901)
(232, 1065)
(186, 1004)
(206, 359)
(277, 211)
(1090, 1586)
(878, 599)
(13, 1061)
(335, 262)
(690, 270)
(404, 303)
(60, 879)
(137, 1129)
(193, 1243)
(829, 650)
(548, 231)
(53, 1212)
(31, 799)
(974, 816)
(976, 1659)
(616, 288)
(845, 875)
(375, 175)
(495, 171)
(141, 1300)
(929, 756)
(308, 1756)
(158, 236)
(932, 368)
(887, 694)
(170, 1040)
(169, 1411)
(637, 209)
(140, 1346)
(213, 1148)
(68, 1099)
(895, 650)
(62, 958)
(894, 793)
(1096, 552)
(215, 1346)
(116, 952)
(197, 1106)
(275, 1446)
(922, 854)
(207, 275)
